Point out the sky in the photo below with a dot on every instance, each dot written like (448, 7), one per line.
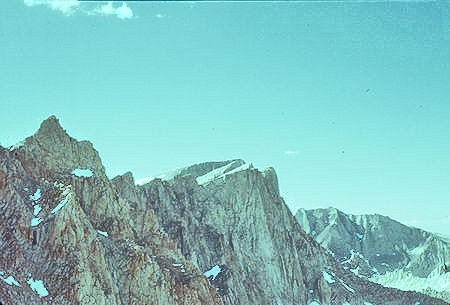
(348, 101)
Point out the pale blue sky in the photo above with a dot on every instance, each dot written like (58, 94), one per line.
(358, 92)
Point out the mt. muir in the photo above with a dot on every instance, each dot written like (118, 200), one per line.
(383, 250)
(213, 233)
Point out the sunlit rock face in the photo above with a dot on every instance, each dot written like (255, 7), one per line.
(79, 237)
(212, 233)
(233, 218)
(382, 249)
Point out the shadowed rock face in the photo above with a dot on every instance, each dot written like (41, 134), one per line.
(379, 247)
(91, 240)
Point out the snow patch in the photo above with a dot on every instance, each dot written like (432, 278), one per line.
(66, 193)
(144, 180)
(328, 277)
(38, 287)
(102, 233)
(35, 221)
(36, 196)
(346, 286)
(355, 271)
(367, 303)
(10, 280)
(221, 172)
(60, 205)
(405, 280)
(239, 169)
(37, 209)
(214, 271)
(314, 303)
(86, 173)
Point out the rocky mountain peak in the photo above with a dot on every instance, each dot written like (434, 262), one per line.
(60, 152)
(380, 248)
(51, 128)
(211, 233)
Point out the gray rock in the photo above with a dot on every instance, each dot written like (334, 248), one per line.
(380, 248)
(89, 245)
(215, 233)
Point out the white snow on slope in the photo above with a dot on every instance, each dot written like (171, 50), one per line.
(36, 196)
(216, 173)
(214, 271)
(314, 303)
(404, 280)
(222, 172)
(35, 221)
(367, 303)
(60, 205)
(9, 280)
(209, 176)
(86, 173)
(143, 181)
(37, 209)
(38, 287)
(102, 233)
(164, 177)
(346, 286)
(328, 277)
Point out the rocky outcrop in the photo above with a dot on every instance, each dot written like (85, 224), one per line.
(213, 233)
(233, 224)
(68, 239)
(380, 248)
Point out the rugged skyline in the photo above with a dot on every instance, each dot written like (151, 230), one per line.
(348, 101)
(383, 250)
(216, 233)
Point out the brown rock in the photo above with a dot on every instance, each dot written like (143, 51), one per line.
(3, 177)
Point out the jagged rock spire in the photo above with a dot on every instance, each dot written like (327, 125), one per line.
(54, 146)
(50, 126)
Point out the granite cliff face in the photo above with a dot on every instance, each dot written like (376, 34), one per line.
(75, 240)
(382, 249)
(213, 233)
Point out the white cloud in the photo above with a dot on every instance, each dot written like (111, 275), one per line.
(291, 152)
(69, 7)
(159, 16)
(122, 12)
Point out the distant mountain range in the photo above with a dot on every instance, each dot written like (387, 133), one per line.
(383, 250)
(214, 233)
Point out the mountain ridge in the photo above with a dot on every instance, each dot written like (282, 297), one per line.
(382, 249)
(91, 240)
